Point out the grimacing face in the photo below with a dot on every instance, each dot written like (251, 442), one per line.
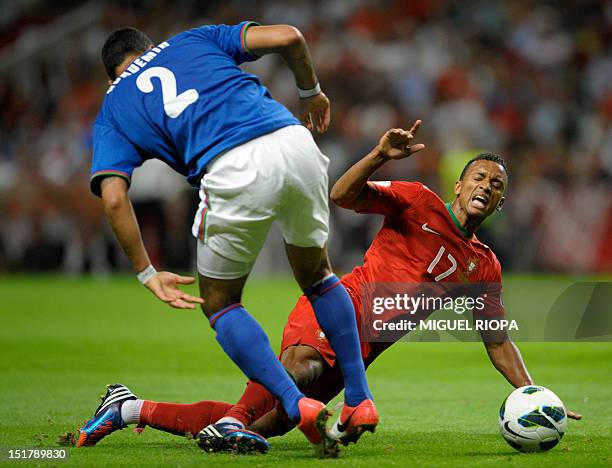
(482, 188)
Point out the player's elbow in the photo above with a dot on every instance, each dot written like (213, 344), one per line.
(281, 39)
(339, 200)
(113, 201)
(338, 196)
(344, 198)
(494, 346)
(114, 194)
(335, 196)
(289, 37)
(495, 340)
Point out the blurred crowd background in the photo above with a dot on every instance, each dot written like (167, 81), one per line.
(527, 79)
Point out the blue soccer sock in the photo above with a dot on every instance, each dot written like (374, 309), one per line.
(336, 315)
(245, 342)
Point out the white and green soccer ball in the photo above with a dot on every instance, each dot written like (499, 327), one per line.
(532, 419)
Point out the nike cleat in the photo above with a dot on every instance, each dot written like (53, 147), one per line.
(313, 419)
(354, 421)
(107, 418)
(228, 437)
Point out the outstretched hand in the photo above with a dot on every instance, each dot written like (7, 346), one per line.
(395, 143)
(315, 113)
(572, 415)
(165, 286)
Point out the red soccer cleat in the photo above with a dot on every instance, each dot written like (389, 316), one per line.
(354, 421)
(313, 419)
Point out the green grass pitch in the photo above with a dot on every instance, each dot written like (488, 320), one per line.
(62, 340)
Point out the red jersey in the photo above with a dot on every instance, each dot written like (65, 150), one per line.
(421, 241)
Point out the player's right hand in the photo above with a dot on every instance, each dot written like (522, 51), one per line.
(165, 286)
(315, 113)
(395, 144)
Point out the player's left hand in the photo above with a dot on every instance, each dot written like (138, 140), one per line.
(396, 143)
(315, 113)
(572, 415)
(165, 286)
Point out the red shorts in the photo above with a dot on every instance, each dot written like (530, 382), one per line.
(302, 328)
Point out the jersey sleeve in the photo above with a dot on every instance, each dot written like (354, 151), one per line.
(113, 155)
(231, 39)
(387, 198)
(491, 292)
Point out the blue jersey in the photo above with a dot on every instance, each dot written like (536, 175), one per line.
(184, 102)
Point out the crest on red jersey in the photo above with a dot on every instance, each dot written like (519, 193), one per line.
(472, 265)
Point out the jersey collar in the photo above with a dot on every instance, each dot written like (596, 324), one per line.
(456, 222)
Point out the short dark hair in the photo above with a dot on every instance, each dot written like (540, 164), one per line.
(496, 158)
(120, 44)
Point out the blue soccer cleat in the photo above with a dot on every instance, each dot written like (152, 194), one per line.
(107, 418)
(228, 437)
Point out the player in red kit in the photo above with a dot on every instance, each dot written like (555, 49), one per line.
(422, 241)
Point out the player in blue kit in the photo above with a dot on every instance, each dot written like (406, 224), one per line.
(187, 102)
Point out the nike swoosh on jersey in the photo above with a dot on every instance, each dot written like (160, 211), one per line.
(428, 229)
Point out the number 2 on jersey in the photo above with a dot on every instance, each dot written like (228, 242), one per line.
(173, 104)
(436, 260)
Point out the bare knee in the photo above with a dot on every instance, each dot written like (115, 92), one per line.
(218, 294)
(304, 363)
(272, 424)
(216, 303)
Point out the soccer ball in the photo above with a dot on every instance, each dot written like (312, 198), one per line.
(532, 419)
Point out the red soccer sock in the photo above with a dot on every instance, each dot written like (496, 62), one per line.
(180, 419)
(254, 403)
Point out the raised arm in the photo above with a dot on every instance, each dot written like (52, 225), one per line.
(120, 214)
(350, 190)
(289, 43)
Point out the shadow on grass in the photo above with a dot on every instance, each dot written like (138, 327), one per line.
(576, 444)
